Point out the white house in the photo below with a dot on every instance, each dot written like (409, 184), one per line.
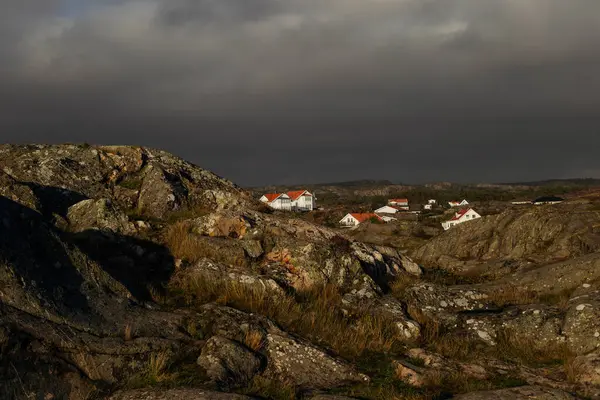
(387, 210)
(387, 218)
(427, 206)
(277, 201)
(467, 214)
(302, 200)
(354, 219)
(432, 202)
(458, 203)
(401, 204)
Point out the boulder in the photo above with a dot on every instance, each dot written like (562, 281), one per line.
(306, 366)
(287, 359)
(228, 363)
(582, 321)
(18, 192)
(98, 214)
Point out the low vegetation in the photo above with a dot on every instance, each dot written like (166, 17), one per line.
(315, 314)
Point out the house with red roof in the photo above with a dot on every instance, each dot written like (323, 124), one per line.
(464, 215)
(400, 204)
(458, 203)
(354, 219)
(302, 200)
(277, 201)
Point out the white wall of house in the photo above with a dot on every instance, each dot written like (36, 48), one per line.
(349, 220)
(306, 202)
(468, 216)
(281, 203)
(464, 203)
(387, 218)
(428, 206)
(432, 201)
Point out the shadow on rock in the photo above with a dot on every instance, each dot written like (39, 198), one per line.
(136, 263)
(35, 264)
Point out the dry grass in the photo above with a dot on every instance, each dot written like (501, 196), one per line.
(188, 246)
(574, 369)
(128, 333)
(512, 347)
(157, 366)
(254, 340)
(402, 282)
(266, 388)
(314, 314)
(512, 295)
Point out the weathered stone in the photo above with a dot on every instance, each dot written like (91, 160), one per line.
(539, 234)
(586, 369)
(228, 363)
(98, 214)
(221, 225)
(175, 394)
(409, 374)
(582, 322)
(307, 366)
(225, 275)
(518, 393)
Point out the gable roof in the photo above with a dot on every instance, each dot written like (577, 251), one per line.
(297, 193)
(271, 197)
(460, 214)
(362, 217)
(398, 201)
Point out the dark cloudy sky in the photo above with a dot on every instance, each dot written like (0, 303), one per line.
(287, 91)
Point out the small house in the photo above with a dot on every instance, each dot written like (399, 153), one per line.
(302, 200)
(432, 202)
(467, 214)
(401, 204)
(387, 210)
(428, 206)
(458, 203)
(354, 219)
(277, 201)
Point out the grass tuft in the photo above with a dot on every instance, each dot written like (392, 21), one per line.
(254, 340)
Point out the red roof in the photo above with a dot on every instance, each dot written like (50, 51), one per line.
(295, 194)
(460, 214)
(272, 196)
(398, 201)
(362, 217)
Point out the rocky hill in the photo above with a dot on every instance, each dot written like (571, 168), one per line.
(128, 273)
(516, 238)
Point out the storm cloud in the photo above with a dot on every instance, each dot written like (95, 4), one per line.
(292, 91)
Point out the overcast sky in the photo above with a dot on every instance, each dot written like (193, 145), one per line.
(293, 91)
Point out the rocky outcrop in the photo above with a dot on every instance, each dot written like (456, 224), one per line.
(287, 358)
(228, 363)
(516, 238)
(98, 214)
(93, 300)
(519, 393)
(175, 394)
(582, 321)
(150, 181)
